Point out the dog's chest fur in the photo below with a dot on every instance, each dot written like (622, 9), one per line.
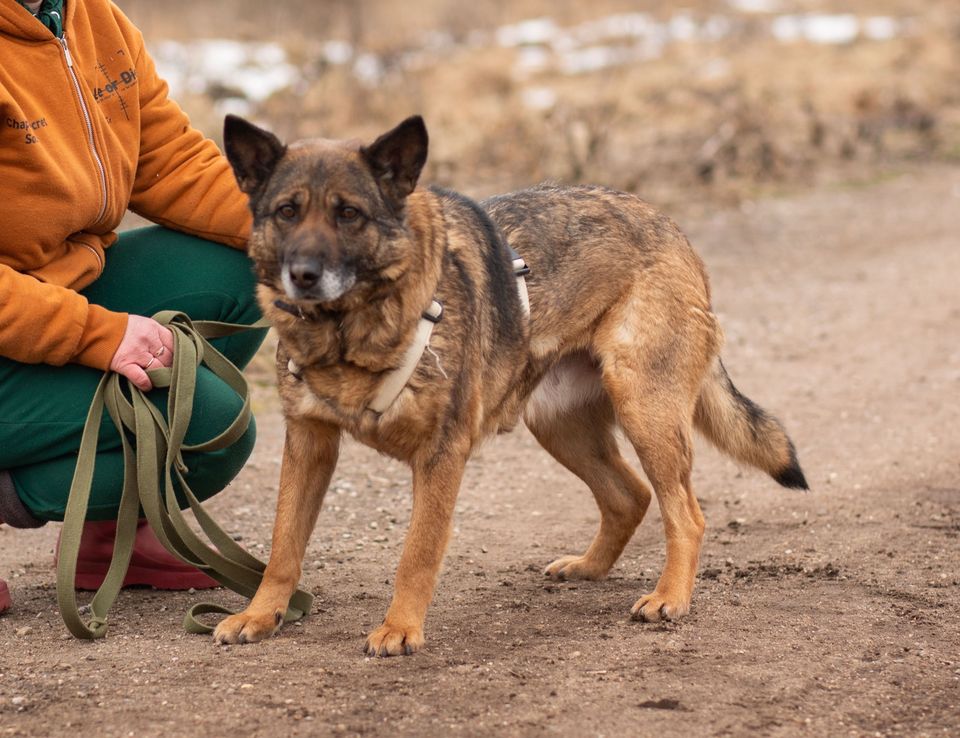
(465, 383)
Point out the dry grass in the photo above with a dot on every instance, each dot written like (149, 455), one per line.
(708, 119)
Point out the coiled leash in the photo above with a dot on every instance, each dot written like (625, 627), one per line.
(153, 450)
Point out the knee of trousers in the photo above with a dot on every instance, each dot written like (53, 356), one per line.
(215, 407)
(44, 487)
(209, 473)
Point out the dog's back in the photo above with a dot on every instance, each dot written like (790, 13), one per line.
(585, 247)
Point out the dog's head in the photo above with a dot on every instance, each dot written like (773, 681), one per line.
(329, 224)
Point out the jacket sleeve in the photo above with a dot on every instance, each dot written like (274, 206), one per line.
(182, 180)
(43, 323)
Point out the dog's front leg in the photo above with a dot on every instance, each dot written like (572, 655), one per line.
(435, 487)
(309, 457)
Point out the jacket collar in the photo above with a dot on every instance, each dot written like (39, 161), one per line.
(17, 21)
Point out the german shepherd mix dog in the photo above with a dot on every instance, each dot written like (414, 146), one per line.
(349, 254)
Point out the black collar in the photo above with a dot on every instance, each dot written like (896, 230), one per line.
(316, 314)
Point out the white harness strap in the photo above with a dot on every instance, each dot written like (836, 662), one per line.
(521, 270)
(397, 379)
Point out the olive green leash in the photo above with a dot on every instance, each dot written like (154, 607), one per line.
(153, 447)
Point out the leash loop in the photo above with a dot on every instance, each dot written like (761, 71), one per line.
(154, 468)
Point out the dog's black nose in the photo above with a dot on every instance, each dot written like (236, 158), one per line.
(304, 273)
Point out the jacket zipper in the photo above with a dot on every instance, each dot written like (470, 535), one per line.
(101, 169)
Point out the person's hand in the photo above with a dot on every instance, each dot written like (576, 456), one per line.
(146, 345)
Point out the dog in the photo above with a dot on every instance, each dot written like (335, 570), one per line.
(349, 253)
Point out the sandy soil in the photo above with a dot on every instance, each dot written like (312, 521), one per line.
(828, 613)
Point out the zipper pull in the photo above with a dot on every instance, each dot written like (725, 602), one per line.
(66, 51)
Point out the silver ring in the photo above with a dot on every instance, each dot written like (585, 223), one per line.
(160, 352)
(153, 359)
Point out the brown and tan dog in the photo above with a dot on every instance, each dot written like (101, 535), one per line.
(620, 334)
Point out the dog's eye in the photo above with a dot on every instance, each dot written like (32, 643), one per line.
(347, 213)
(287, 211)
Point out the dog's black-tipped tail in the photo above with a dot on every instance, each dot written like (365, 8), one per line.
(739, 427)
(792, 476)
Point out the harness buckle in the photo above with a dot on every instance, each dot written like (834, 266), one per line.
(433, 313)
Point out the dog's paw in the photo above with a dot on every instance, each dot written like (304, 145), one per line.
(574, 567)
(247, 627)
(656, 606)
(392, 640)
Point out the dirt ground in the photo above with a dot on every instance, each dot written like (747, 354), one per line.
(828, 613)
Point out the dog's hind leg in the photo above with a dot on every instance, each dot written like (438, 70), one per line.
(582, 439)
(654, 348)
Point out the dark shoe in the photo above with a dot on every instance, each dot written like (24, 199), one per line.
(150, 565)
(12, 511)
(5, 601)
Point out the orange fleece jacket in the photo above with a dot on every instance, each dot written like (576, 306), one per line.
(87, 131)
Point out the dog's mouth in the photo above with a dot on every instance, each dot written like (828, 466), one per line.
(305, 282)
(307, 290)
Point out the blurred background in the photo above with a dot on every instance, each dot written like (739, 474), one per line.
(682, 103)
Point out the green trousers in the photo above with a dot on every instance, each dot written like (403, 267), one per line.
(43, 408)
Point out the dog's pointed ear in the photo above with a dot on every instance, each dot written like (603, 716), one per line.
(252, 152)
(397, 158)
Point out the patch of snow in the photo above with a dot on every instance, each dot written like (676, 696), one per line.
(682, 28)
(532, 59)
(715, 69)
(881, 28)
(233, 106)
(590, 59)
(534, 31)
(755, 6)
(623, 25)
(439, 41)
(337, 52)
(369, 69)
(717, 27)
(539, 98)
(816, 28)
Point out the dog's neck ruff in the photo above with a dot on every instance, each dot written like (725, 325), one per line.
(397, 379)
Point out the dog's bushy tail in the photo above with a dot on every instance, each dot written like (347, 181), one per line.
(739, 427)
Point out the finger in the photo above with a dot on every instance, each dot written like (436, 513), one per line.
(166, 338)
(164, 353)
(137, 376)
